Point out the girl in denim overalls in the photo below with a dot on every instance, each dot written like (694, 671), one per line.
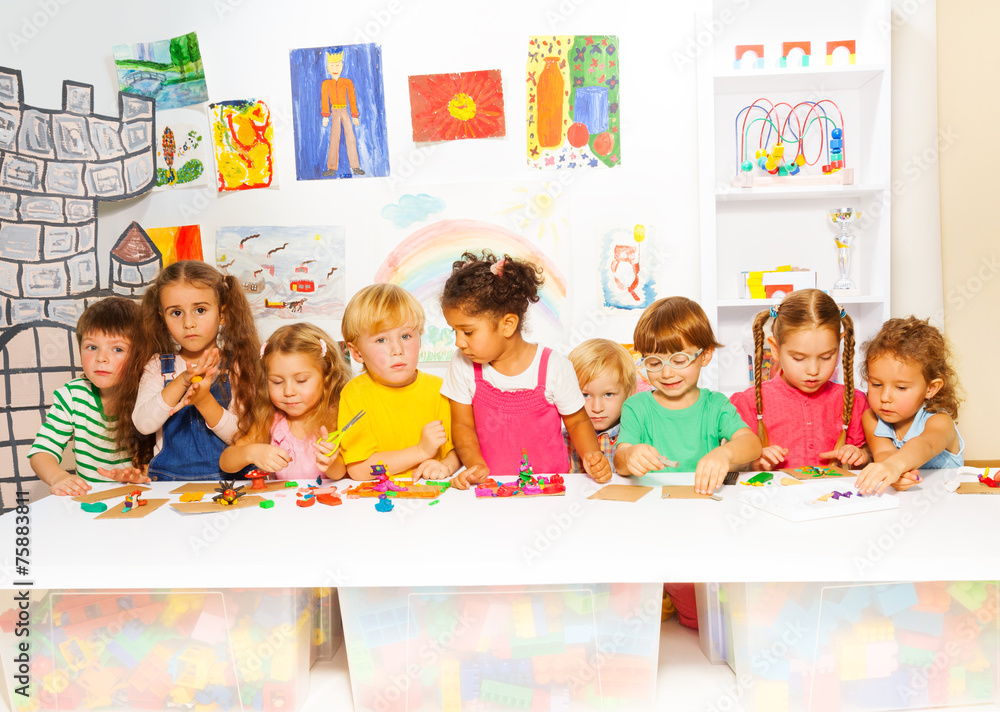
(303, 372)
(508, 395)
(192, 372)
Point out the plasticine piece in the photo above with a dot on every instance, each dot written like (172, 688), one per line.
(267, 504)
(384, 504)
(192, 496)
(291, 484)
(760, 479)
(329, 499)
(306, 502)
(431, 504)
(789, 481)
(95, 507)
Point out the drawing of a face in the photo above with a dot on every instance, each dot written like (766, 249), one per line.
(335, 68)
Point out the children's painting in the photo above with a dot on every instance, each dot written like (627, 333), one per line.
(626, 267)
(181, 149)
(338, 108)
(425, 232)
(177, 243)
(243, 141)
(169, 71)
(446, 107)
(573, 106)
(287, 272)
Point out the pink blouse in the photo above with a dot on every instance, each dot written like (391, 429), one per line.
(303, 467)
(806, 423)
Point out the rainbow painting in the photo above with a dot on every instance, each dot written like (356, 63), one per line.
(422, 262)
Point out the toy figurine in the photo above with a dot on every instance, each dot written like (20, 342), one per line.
(132, 500)
(228, 494)
(384, 504)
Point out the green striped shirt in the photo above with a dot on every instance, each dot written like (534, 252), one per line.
(77, 414)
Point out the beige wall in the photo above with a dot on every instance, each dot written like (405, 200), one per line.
(968, 109)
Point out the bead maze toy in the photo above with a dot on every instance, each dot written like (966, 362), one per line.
(804, 127)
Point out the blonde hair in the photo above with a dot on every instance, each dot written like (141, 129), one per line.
(913, 339)
(805, 309)
(668, 322)
(378, 307)
(324, 354)
(595, 356)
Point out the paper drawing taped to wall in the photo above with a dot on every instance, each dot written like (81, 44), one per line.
(338, 102)
(55, 165)
(572, 102)
(243, 141)
(446, 107)
(288, 272)
(169, 71)
(182, 145)
(627, 267)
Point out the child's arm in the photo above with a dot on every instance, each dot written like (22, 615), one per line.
(584, 439)
(432, 436)
(463, 435)
(268, 458)
(711, 470)
(437, 469)
(891, 464)
(637, 459)
(47, 468)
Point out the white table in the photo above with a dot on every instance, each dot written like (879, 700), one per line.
(934, 535)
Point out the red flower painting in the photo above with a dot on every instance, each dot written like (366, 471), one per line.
(446, 107)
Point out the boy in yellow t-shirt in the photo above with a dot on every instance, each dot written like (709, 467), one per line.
(407, 422)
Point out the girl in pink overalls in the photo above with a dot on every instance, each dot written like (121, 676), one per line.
(298, 392)
(506, 394)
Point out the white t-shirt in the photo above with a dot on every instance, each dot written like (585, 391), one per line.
(561, 385)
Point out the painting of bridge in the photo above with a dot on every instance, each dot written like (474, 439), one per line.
(169, 71)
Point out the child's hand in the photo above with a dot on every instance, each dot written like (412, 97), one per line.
(131, 475)
(850, 455)
(642, 458)
(711, 471)
(325, 451)
(432, 436)
(875, 478)
(597, 466)
(71, 486)
(770, 457)
(907, 480)
(269, 458)
(470, 476)
(431, 470)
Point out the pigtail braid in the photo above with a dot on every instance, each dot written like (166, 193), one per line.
(847, 363)
(758, 363)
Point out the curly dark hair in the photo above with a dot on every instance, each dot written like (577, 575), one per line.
(913, 339)
(487, 284)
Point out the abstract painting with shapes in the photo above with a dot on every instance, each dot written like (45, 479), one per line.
(573, 105)
(446, 107)
(243, 141)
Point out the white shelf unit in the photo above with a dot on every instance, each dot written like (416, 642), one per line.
(761, 228)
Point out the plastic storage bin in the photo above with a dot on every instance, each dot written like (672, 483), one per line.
(832, 647)
(218, 650)
(556, 647)
(714, 632)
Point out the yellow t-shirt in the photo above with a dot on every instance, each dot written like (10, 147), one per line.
(393, 417)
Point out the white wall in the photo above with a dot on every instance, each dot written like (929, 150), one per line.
(245, 49)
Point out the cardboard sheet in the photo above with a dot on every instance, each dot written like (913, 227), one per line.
(115, 512)
(208, 506)
(684, 492)
(102, 495)
(976, 488)
(621, 493)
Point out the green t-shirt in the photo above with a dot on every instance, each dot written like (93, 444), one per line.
(684, 435)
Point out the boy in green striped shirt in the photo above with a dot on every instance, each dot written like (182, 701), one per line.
(104, 334)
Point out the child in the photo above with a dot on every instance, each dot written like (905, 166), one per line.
(807, 418)
(104, 334)
(914, 393)
(677, 419)
(606, 374)
(302, 375)
(508, 395)
(406, 423)
(191, 374)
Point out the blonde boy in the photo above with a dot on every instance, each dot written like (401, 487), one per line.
(607, 376)
(407, 422)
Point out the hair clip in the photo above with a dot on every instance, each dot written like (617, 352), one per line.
(843, 312)
(774, 311)
(845, 425)
(497, 267)
(262, 347)
(322, 348)
(760, 416)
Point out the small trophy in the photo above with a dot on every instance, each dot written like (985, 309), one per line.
(843, 217)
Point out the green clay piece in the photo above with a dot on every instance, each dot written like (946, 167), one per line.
(291, 484)
(94, 507)
(760, 479)
(267, 504)
(434, 502)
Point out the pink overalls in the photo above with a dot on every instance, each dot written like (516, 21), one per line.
(509, 421)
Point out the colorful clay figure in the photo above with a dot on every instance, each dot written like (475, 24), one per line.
(228, 494)
(529, 486)
(987, 480)
(384, 504)
(257, 478)
(132, 500)
(818, 471)
(760, 479)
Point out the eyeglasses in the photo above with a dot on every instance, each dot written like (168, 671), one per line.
(677, 361)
